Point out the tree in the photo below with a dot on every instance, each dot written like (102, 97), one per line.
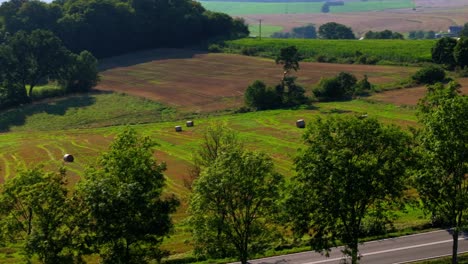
(460, 52)
(443, 144)
(236, 195)
(82, 73)
(442, 52)
(289, 57)
(216, 137)
(261, 97)
(36, 57)
(351, 169)
(127, 214)
(333, 30)
(429, 75)
(340, 87)
(307, 31)
(37, 210)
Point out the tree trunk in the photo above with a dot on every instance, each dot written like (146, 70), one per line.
(354, 255)
(30, 90)
(455, 246)
(30, 221)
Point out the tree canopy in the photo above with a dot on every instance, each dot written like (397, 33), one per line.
(443, 147)
(232, 204)
(111, 27)
(333, 30)
(350, 170)
(127, 214)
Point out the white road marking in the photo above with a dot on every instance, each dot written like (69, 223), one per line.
(386, 251)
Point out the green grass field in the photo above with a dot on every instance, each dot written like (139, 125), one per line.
(267, 30)
(44, 136)
(390, 51)
(248, 7)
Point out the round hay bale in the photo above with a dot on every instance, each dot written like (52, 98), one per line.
(178, 128)
(300, 123)
(189, 123)
(68, 158)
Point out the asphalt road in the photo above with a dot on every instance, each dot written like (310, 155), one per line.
(394, 250)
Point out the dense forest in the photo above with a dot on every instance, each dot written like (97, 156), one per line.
(111, 27)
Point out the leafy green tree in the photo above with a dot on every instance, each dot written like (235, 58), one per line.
(293, 94)
(261, 97)
(442, 52)
(36, 57)
(429, 75)
(460, 52)
(127, 214)
(386, 34)
(82, 74)
(340, 87)
(216, 137)
(236, 195)
(289, 57)
(333, 30)
(307, 32)
(350, 169)
(443, 144)
(37, 210)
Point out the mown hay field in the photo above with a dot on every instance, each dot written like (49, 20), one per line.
(156, 90)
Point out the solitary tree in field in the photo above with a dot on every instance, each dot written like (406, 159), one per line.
(289, 57)
(128, 215)
(443, 140)
(232, 203)
(333, 30)
(350, 169)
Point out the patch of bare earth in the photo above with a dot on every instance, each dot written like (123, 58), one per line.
(200, 82)
(436, 15)
(411, 96)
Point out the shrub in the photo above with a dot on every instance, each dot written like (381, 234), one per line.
(429, 75)
(249, 51)
(215, 48)
(259, 96)
(340, 87)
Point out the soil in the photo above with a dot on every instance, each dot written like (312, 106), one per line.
(200, 82)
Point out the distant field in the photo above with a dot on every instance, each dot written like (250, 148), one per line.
(200, 82)
(267, 30)
(287, 7)
(392, 51)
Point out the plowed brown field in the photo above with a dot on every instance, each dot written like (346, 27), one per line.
(200, 82)
(411, 96)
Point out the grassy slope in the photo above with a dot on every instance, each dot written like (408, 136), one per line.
(244, 8)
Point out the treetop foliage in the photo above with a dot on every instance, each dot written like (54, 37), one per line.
(111, 27)
(333, 30)
(350, 169)
(128, 217)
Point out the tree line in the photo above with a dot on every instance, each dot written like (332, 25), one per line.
(351, 172)
(111, 27)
